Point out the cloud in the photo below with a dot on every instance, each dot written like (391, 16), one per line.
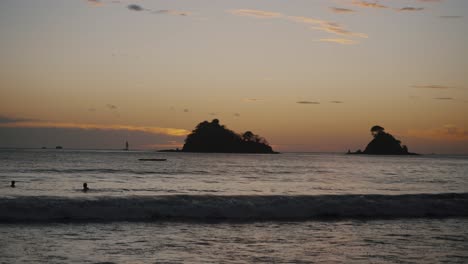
(95, 2)
(66, 125)
(339, 41)
(326, 26)
(368, 4)
(7, 119)
(337, 102)
(236, 114)
(186, 110)
(446, 132)
(317, 24)
(92, 109)
(212, 114)
(251, 100)
(135, 7)
(432, 86)
(255, 13)
(340, 10)
(430, 1)
(307, 102)
(443, 98)
(450, 17)
(172, 12)
(410, 9)
(111, 106)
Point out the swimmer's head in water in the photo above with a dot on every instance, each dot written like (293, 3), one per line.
(85, 187)
(12, 184)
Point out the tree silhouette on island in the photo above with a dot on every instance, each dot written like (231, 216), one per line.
(383, 144)
(212, 137)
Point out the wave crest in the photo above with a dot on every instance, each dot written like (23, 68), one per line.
(206, 207)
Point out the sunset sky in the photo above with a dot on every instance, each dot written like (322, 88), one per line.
(308, 75)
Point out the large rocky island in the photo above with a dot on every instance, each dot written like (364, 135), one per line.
(383, 144)
(213, 137)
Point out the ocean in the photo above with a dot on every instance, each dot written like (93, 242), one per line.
(231, 208)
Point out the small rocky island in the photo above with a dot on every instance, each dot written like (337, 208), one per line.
(383, 144)
(212, 137)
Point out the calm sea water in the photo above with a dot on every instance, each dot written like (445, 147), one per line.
(50, 180)
(117, 173)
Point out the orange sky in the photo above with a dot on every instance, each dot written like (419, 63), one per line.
(313, 76)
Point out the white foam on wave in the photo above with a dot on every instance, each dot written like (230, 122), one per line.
(205, 207)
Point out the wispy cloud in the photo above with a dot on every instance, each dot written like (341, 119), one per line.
(8, 119)
(172, 12)
(66, 125)
(307, 102)
(450, 17)
(337, 102)
(446, 132)
(339, 41)
(444, 98)
(135, 7)
(316, 24)
(111, 106)
(340, 10)
(430, 1)
(367, 4)
(327, 26)
(252, 100)
(410, 9)
(255, 13)
(236, 114)
(95, 2)
(432, 86)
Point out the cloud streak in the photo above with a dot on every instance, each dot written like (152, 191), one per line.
(7, 119)
(252, 100)
(450, 17)
(339, 41)
(146, 129)
(340, 10)
(326, 26)
(366, 4)
(255, 13)
(444, 98)
(95, 2)
(410, 9)
(134, 7)
(446, 132)
(111, 106)
(430, 1)
(172, 12)
(432, 86)
(307, 102)
(316, 24)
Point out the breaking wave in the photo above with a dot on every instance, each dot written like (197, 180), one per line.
(210, 207)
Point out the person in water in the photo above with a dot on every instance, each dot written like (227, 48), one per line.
(12, 184)
(85, 187)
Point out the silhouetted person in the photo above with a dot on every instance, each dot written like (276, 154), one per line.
(12, 184)
(85, 187)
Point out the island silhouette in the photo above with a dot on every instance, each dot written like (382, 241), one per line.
(383, 144)
(212, 137)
